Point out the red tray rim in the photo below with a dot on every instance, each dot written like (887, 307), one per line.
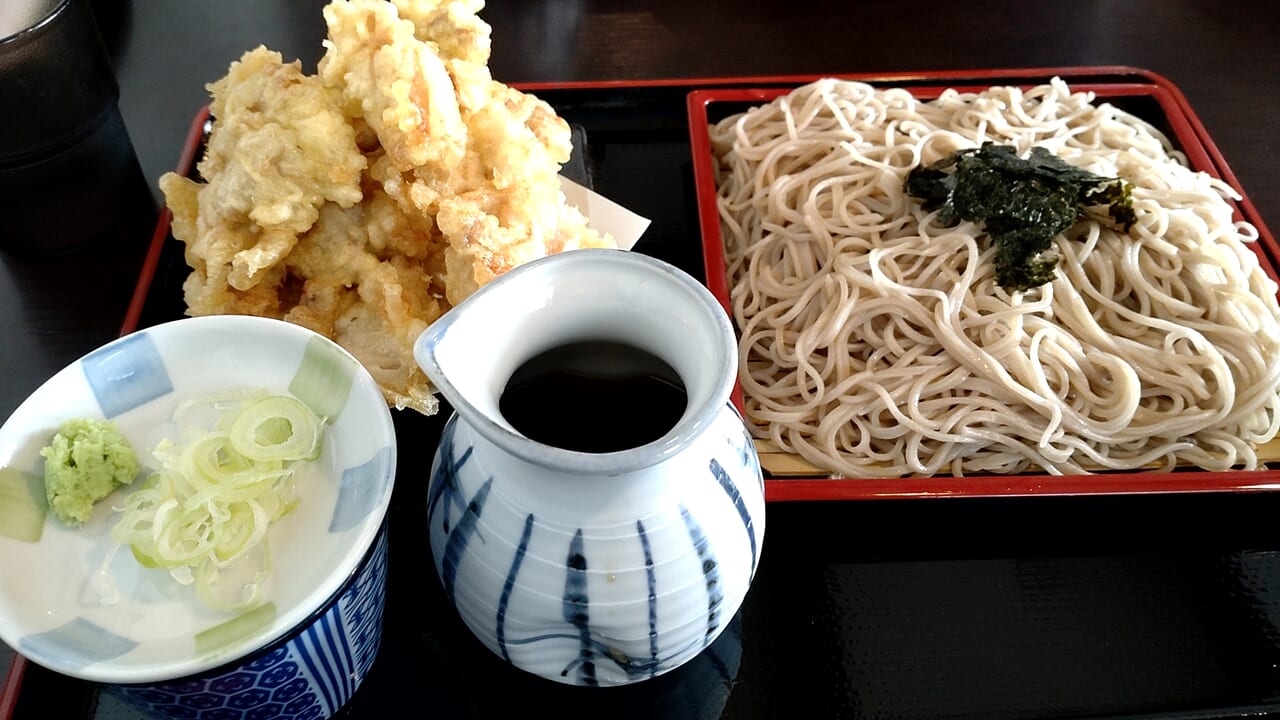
(1202, 153)
(10, 684)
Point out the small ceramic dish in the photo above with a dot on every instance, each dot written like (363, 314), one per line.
(72, 602)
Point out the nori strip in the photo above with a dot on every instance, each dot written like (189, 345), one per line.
(1023, 204)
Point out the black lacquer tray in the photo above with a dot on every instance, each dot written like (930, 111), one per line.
(1133, 605)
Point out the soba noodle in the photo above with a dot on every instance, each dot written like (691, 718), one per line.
(876, 342)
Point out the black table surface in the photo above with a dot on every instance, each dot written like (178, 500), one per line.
(1135, 606)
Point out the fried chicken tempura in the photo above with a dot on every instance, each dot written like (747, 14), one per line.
(366, 200)
(281, 150)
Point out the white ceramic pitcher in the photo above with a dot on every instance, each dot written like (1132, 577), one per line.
(592, 568)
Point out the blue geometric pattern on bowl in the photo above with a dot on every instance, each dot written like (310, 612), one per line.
(360, 489)
(126, 374)
(324, 378)
(25, 505)
(77, 638)
(309, 677)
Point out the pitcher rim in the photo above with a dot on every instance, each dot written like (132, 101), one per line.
(705, 409)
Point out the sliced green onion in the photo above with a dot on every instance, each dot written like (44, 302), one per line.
(213, 458)
(204, 515)
(244, 529)
(183, 538)
(145, 561)
(277, 428)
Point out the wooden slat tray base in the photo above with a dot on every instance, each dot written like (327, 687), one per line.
(779, 463)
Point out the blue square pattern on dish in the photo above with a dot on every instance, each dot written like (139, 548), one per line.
(361, 486)
(77, 638)
(126, 374)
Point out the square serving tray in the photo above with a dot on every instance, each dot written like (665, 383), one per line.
(1145, 94)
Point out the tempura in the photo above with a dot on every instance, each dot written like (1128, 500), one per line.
(366, 200)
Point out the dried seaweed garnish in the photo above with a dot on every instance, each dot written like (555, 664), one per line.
(1022, 202)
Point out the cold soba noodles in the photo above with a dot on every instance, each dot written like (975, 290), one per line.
(874, 341)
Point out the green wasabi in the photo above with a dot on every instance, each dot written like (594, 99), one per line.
(87, 460)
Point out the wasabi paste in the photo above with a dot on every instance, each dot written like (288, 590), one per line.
(87, 460)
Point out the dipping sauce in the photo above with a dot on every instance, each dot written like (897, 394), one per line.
(594, 396)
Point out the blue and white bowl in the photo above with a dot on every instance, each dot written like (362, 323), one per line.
(72, 602)
(306, 675)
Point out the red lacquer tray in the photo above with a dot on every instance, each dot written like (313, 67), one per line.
(11, 671)
(866, 614)
(1147, 95)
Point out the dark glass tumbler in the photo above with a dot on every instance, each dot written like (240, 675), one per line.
(68, 170)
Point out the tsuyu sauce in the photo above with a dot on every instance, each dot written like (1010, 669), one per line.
(594, 396)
